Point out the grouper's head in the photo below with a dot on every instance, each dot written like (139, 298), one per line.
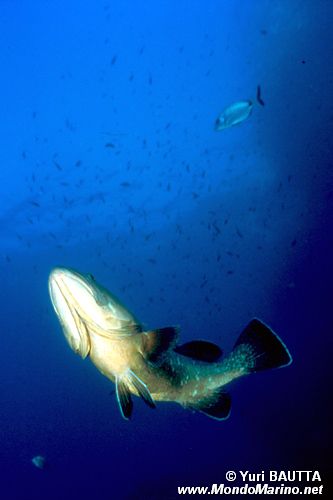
(83, 306)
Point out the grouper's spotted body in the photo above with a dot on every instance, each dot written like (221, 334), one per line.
(152, 364)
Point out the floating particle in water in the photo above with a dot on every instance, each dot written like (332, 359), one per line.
(38, 461)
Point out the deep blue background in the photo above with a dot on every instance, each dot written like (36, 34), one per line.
(186, 225)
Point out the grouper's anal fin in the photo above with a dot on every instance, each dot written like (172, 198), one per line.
(124, 384)
(216, 404)
(155, 343)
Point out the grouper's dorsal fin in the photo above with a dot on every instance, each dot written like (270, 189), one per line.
(157, 342)
(200, 350)
(124, 386)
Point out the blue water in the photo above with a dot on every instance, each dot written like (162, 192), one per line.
(110, 164)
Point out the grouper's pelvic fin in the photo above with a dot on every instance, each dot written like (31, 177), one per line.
(124, 383)
(259, 348)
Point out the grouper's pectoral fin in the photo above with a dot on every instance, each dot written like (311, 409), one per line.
(156, 343)
(217, 404)
(124, 386)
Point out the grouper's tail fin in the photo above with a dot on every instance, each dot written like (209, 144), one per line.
(259, 348)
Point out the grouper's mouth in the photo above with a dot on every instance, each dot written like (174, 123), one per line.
(85, 308)
(69, 282)
(69, 293)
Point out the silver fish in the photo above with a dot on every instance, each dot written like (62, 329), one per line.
(234, 114)
(237, 112)
(151, 364)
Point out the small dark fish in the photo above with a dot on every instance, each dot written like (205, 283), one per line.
(35, 204)
(69, 125)
(239, 233)
(204, 283)
(259, 99)
(113, 60)
(59, 167)
(109, 145)
(125, 184)
(216, 227)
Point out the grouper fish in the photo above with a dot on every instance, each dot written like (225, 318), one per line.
(151, 363)
(237, 112)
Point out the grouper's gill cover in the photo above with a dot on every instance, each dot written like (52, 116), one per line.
(73, 327)
(97, 306)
